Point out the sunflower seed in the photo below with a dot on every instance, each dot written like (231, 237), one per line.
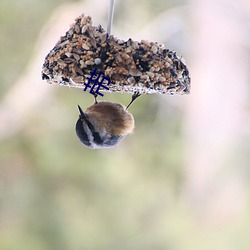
(85, 46)
(134, 72)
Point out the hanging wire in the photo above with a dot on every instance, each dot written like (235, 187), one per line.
(110, 15)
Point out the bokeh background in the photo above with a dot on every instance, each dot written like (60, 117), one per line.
(180, 182)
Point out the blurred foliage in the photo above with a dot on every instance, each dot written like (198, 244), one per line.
(20, 23)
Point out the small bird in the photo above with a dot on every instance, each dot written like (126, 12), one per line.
(104, 124)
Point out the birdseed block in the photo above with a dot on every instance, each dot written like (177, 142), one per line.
(144, 67)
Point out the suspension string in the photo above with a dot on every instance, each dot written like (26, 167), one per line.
(110, 16)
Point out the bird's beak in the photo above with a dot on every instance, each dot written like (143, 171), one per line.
(82, 115)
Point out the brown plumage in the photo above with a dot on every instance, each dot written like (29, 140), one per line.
(110, 117)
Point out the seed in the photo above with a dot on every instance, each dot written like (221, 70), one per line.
(78, 70)
(103, 37)
(98, 61)
(69, 60)
(150, 74)
(78, 51)
(126, 56)
(77, 29)
(119, 58)
(77, 57)
(128, 50)
(81, 62)
(144, 78)
(85, 46)
(154, 49)
(84, 29)
(61, 62)
(83, 21)
(89, 62)
(131, 80)
(135, 45)
(68, 54)
(145, 42)
(71, 32)
(152, 69)
(134, 72)
(77, 79)
(64, 43)
(93, 43)
(120, 42)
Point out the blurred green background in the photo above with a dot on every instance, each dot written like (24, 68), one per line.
(181, 181)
